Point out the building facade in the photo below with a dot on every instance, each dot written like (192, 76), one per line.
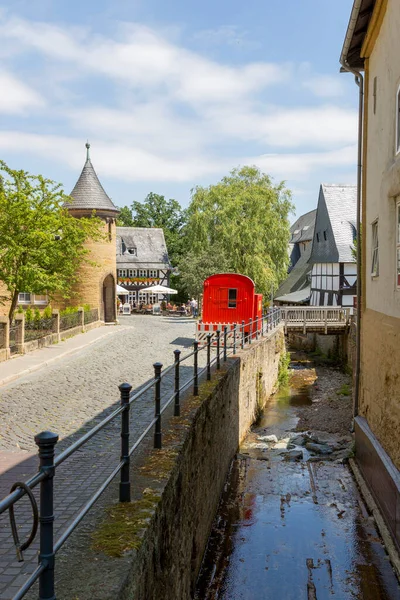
(334, 269)
(142, 261)
(372, 45)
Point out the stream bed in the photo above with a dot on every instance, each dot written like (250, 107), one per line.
(291, 523)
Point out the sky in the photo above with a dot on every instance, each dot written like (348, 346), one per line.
(175, 94)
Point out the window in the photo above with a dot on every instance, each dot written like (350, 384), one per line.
(325, 237)
(375, 250)
(122, 273)
(24, 298)
(398, 242)
(132, 273)
(142, 273)
(232, 296)
(40, 299)
(132, 250)
(398, 121)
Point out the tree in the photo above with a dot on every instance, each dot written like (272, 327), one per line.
(125, 217)
(41, 245)
(244, 217)
(194, 268)
(156, 211)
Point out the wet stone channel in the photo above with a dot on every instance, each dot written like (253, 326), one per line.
(291, 523)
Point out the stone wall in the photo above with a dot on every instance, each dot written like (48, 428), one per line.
(201, 443)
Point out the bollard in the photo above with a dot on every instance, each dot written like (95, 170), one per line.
(177, 406)
(46, 442)
(225, 342)
(125, 484)
(157, 398)
(234, 338)
(242, 335)
(218, 349)
(209, 335)
(250, 330)
(195, 369)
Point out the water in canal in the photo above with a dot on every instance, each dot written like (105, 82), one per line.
(292, 529)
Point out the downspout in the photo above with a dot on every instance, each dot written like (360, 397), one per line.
(360, 82)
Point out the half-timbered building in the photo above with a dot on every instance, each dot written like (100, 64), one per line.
(142, 261)
(334, 270)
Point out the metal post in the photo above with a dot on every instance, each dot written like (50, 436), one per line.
(209, 335)
(225, 342)
(242, 335)
(46, 442)
(250, 330)
(157, 398)
(257, 325)
(218, 349)
(177, 406)
(125, 484)
(234, 338)
(195, 370)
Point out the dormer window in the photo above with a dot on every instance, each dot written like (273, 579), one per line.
(132, 250)
(317, 237)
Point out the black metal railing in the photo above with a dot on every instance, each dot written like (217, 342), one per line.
(91, 315)
(43, 516)
(13, 339)
(38, 328)
(2, 335)
(70, 320)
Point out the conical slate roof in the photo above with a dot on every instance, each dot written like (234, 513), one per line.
(88, 192)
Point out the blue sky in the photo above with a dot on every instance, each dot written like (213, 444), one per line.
(175, 94)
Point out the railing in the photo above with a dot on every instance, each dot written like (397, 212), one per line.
(2, 335)
(13, 340)
(70, 320)
(43, 515)
(322, 316)
(38, 328)
(90, 316)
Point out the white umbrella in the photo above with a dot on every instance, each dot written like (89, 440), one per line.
(159, 289)
(122, 291)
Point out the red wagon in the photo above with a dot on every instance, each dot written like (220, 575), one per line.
(229, 298)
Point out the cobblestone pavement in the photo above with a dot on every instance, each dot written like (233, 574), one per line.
(69, 398)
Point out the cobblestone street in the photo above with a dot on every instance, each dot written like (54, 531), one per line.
(69, 398)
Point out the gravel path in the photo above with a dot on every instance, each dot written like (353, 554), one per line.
(69, 398)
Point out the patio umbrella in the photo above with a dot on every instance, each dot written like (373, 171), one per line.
(122, 291)
(159, 289)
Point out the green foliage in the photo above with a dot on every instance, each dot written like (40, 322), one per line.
(41, 244)
(29, 315)
(344, 390)
(20, 310)
(37, 316)
(242, 224)
(70, 310)
(86, 307)
(196, 266)
(354, 247)
(47, 313)
(125, 217)
(156, 211)
(283, 369)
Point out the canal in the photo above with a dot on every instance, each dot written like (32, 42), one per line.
(291, 522)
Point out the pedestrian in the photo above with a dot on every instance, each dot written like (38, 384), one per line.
(193, 304)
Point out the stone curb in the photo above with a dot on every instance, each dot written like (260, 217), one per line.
(376, 513)
(11, 378)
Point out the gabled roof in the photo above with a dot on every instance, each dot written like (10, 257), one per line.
(149, 242)
(303, 229)
(356, 31)
(336, 216)
(88, 193)
(298, 276)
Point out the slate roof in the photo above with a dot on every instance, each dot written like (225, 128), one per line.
(336, 213)
(298, 276)
(150, 246)
(88, 192)
(360, 19)
(298, 297)
(303, 229)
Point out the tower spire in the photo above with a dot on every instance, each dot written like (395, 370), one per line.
(87, 150)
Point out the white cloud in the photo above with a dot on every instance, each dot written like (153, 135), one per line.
(16, 97)
(325, 86)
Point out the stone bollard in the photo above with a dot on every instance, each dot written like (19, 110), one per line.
(81, 311)
(55, 315)
(20, 333)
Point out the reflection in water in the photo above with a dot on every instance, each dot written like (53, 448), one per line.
(280, 535)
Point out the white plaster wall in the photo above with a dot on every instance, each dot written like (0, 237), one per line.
(383, 166)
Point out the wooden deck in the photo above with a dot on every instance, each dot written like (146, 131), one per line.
(318, 319)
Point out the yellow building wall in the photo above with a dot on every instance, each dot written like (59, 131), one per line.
(380, 319)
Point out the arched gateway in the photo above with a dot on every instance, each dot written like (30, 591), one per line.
(109, 299)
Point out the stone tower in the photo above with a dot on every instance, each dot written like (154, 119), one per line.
(97, 285)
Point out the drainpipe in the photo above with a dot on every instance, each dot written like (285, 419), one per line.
(360, 82)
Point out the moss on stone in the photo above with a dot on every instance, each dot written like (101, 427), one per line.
(122, 529)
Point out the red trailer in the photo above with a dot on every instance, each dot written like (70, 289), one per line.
(228, 298)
